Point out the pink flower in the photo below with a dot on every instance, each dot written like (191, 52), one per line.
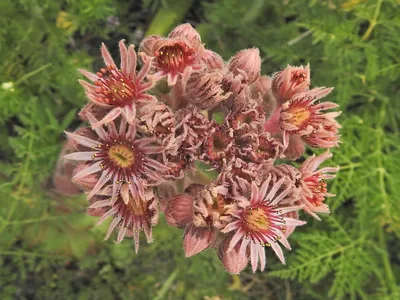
(210, 207)
(175, 56)
(258, 221)
(119, 90)
(303, 117)
(130, 215)
(290, 81)
(313, 183)
(119, 156)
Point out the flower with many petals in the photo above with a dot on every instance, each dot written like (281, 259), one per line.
(120, 156)
(258, 221)
(119, 90)
(130, 215)
(303, 116)
(175, 56)
(313, 183)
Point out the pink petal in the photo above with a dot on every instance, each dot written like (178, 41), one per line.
(111, 116)
(85, 156)
(124, 56)
(84, 141)
(87, 171)
(91, 76)
(102, 181)
(106, 56)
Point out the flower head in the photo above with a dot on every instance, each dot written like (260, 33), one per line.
(290, 81)
(119, 90)
(130, 215)
(175, 56)
(120, 156)
(314, 185)
(303, 116)
(258, 221)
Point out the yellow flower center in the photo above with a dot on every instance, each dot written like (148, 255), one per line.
(256, 219)
(121, 155)
(299, 116)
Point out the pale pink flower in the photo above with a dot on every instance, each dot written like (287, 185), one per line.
(119, 90)
(303, 116)
(209, 207)
(246, 63)
(258, 221)
(130, 215)
(119, 156)
(290, 81)
(179, 210)
(175, 56)
(192, 129)
(313, 183)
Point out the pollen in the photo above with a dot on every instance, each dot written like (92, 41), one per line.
(256, 220)
(122, 156)
(299, 116)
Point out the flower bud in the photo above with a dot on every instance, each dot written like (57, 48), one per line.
(246, 63)
(179, 210)
(88, 182)
(213, 60)
(234, 262)
(197, 239)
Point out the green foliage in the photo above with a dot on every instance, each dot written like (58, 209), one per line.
(49, 247)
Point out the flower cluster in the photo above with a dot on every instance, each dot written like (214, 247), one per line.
(176, 103)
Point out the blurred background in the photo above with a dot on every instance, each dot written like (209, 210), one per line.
(50, 249)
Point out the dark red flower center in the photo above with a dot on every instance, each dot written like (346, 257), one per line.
(115, 88)
(174, 58)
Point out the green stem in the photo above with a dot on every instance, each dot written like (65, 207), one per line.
(167, 284)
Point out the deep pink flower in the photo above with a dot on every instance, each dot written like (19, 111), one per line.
(313, 183)
(130, 215)
(119, 156)
(258, 221)
(119, 90)
(290, 81)
(175, 56)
